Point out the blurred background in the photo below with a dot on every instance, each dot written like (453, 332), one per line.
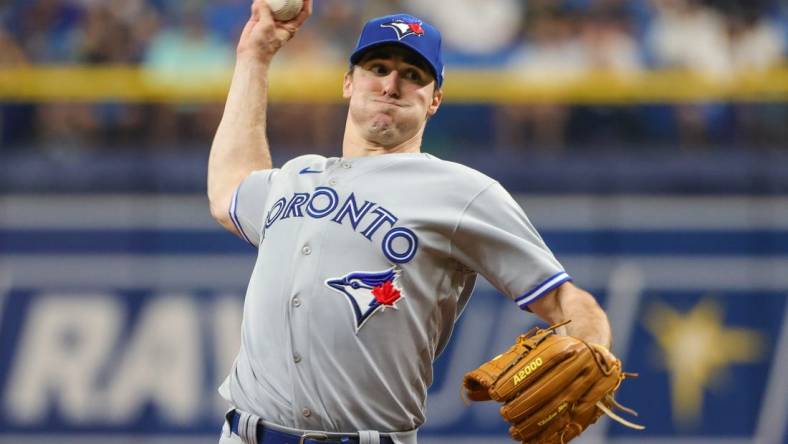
(646, 139)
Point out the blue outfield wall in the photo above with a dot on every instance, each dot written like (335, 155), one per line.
(119, 315)
(640, 168)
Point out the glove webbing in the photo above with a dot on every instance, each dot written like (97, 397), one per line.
(532, 333)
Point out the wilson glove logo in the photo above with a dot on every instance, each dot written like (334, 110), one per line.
(552, 415)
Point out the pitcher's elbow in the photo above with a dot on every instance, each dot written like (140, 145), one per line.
(220, 211)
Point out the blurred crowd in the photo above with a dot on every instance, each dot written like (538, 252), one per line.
(560, 38)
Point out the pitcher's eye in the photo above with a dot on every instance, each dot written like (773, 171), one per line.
(413, 75)
(379, 69)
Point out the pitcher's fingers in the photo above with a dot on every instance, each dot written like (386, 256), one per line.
(304, 14)
(292, 26)
(255, 9)
(262, 12)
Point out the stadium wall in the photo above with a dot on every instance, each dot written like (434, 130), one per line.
(120, 314)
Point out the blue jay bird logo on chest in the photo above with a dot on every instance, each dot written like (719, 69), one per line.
(368, 292)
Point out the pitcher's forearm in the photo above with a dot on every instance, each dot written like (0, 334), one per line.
(240, 145)
(568, 302)
(589, 321)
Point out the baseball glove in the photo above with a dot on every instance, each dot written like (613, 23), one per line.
(552, 387)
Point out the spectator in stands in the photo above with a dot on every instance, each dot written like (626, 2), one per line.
(116, 31)
(475, 32)
(187, 57)
(104, 38)
(609, 42)
(47, 30)
(319, 124)
(226, 18)
(756, 43)
(686, 34)
(50, 33)
(336, 18)
(15, 119)
(188, 44)
(561, 46)
(551, 52)
(10, 52)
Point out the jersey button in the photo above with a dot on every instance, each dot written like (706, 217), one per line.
(306, 412)
(296, 358)
(332, 182)
(346, 165)
(307, 250)
(296, 302)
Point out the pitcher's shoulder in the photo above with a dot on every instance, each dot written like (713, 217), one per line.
(456, 174)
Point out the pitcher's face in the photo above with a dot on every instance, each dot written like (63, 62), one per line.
(392, 94)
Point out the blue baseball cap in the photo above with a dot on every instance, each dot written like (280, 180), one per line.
(405, 30)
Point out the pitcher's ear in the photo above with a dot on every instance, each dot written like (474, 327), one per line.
(347, 84)
(437, 99)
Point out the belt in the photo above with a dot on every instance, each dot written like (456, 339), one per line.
(267, 435)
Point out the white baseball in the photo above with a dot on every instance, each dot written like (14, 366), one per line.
(284, 10)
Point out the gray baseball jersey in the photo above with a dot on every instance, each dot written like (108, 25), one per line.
(363, 267)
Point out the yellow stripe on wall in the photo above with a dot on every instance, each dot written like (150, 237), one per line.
(134, 84)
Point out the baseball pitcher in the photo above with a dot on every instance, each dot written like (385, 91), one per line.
(365, 262)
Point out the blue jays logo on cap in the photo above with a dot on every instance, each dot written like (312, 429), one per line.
(368, 292)
(405, 28)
